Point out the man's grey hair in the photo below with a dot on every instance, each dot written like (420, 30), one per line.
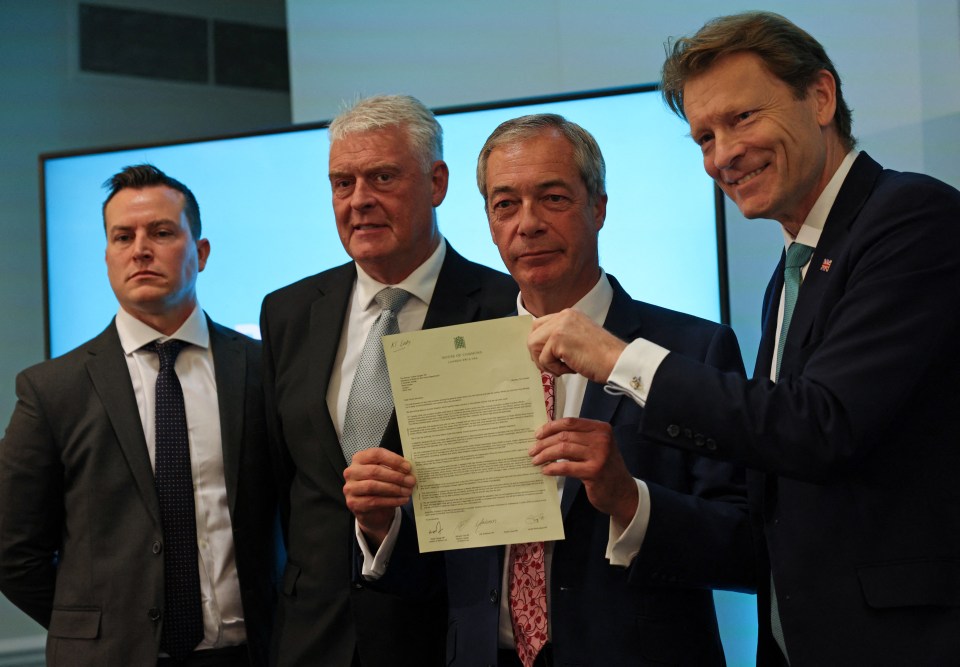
(382, 111)
(586, 152)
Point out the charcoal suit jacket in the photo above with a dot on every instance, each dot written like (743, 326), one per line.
(81, 544)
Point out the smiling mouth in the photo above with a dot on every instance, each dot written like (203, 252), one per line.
(749, 177)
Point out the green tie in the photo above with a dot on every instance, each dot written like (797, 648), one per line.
(797, 256)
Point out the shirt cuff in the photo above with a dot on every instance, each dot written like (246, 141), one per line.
(623, 545)
(633, 373)
(375, 564)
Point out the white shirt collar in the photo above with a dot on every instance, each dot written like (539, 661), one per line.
(594, 303)
(812, 227)
(420, 283)
(134, 334)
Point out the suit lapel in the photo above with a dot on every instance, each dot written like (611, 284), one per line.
(453, 300)
(622, 321)
(230, 371)
(854, 192)
(327, 314)
(111, 380)
(771, 305)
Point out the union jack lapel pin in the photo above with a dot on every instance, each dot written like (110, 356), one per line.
(825, 266)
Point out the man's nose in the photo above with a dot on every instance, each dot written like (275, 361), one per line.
(531, 223)
(362, 195)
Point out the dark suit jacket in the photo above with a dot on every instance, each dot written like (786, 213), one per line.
(857, 495)
(325, 612)
(80, 535)
(659, 611)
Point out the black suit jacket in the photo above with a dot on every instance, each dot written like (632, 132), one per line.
(326, 614)
(80, 534)
(659, 611)
(856, 446)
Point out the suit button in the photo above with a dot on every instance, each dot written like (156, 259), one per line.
(711, 444)
(157, 547)
(494, 596)
(673, 430)
(688, 434)
(699, 440)
(154, 614)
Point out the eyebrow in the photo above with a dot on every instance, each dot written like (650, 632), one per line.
(545, 185)
(380, 166)
(153, 224)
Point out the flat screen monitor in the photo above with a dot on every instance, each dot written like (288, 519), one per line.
(266, 208)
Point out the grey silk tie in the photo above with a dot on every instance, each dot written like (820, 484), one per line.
(797, 256)
(173, 478)
(370, 403)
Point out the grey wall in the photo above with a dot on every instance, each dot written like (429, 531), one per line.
(47, 104)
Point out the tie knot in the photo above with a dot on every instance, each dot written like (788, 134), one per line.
(798, 255)
(392, 298)
(167, 352)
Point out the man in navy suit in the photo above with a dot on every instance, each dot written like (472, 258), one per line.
(648, 531)
(387, 176)
(854, 437)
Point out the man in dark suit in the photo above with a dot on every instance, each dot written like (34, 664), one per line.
(86, 534)
(387, 177)
(854, 437)
(648, 531)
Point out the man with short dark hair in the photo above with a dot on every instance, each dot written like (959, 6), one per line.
(136, 521)
(328, 395)
(648, 533)
(851, 419)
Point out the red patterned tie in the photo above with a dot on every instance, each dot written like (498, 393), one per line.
(528, 580)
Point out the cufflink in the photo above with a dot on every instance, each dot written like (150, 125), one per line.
(636, 383)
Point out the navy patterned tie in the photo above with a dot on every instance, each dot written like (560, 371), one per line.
(370, 403)
(173, 478)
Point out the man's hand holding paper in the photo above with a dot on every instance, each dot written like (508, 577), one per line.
(377, 482)
(469, 402)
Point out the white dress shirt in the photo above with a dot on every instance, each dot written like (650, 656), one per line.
(635, 370)
(363, 312)
(223, 623)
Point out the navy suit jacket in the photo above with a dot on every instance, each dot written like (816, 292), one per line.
(658, 611)
(326, 612)
(80, 535)
(856, 447)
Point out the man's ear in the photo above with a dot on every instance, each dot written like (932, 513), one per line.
(440, 177)
(203, 251)
(823, 91)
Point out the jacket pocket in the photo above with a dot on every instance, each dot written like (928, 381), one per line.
(911, 583)
(75, 623)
